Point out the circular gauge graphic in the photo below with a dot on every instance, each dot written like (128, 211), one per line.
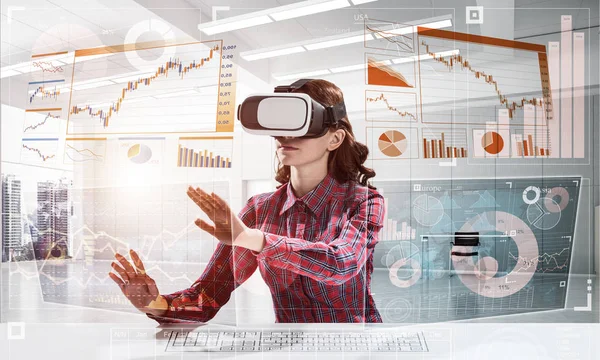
(397, 310)
(428, 210)
(139, 153)
(492, 142)
(393, 143)
(404, 264)
(544, 214)
(559, 195)
(529, 190)
(527, 257)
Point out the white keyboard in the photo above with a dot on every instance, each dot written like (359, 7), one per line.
(296, 341)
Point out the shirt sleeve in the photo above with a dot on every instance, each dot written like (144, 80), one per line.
(203, 299)
(332, 263)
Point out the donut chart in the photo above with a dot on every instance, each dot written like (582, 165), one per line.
(524, 269)
(404, 264)
(392, 143)
(405, 273)
(550, 197)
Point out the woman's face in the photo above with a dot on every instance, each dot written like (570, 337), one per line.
(295, 151)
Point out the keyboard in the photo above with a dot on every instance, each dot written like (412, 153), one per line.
(296, 341)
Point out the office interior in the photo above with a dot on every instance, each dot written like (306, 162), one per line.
(482, 120)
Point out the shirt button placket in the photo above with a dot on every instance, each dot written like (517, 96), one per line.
(301, 221)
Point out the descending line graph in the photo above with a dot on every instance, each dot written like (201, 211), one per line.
(391, 106)
(47, 66)
(389, 36)
(84, 150)
(480, 80)
(458, 60)
(180, 94)
(38, 150)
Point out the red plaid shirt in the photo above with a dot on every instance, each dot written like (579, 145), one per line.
(317, 260)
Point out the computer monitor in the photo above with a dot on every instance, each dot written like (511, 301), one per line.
(526, 233)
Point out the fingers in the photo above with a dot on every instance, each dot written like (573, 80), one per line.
(202, 201)
(118, 281)
(205, 226)
(121, 272)
(126, 265)
(139, 266)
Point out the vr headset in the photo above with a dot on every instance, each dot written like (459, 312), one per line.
(286, 113)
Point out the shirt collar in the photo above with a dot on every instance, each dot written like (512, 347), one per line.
(317, 198)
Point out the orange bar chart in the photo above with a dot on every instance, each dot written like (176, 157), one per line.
(444, 144)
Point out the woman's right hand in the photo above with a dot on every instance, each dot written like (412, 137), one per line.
(137, 286)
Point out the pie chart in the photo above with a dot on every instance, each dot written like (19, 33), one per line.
(139, 153)
(393, 143)
(428, 210)
(545, 214)
(492, 142)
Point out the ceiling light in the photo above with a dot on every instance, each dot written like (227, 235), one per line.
(348, 68)
(233, 23)
(301, 75)
(347, 38)
(338, 42)
(307, 8)
(358, 2)
(177, 93)
(8, 72)
(92, 85)
(132, 77)
(248, 56)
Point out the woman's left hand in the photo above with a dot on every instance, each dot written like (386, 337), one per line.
(227, 225)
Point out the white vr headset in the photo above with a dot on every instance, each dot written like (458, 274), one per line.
(286, 113)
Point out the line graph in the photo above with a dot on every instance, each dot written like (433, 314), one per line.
(179, 95)
(85, 150)
(39, 150)
(47, 66)
(390, 36)
(42, 121)
(547, 262)
(485, 76)
(391, 106)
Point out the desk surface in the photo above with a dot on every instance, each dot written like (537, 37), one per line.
(446, 341)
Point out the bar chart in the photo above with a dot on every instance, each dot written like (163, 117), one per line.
(444, 143)
(205, 152)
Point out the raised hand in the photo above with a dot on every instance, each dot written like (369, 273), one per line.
(227, 225)
(136, 285)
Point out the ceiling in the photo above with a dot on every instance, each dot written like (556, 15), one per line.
(43, 26)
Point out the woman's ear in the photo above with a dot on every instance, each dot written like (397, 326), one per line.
(336, 139)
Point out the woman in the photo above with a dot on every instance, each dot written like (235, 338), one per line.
(312, 239)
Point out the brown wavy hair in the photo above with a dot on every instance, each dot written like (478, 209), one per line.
(346, 162)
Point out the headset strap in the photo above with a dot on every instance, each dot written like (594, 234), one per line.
(294, 86)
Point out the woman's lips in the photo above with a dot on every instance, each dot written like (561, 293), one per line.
(288, 148)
